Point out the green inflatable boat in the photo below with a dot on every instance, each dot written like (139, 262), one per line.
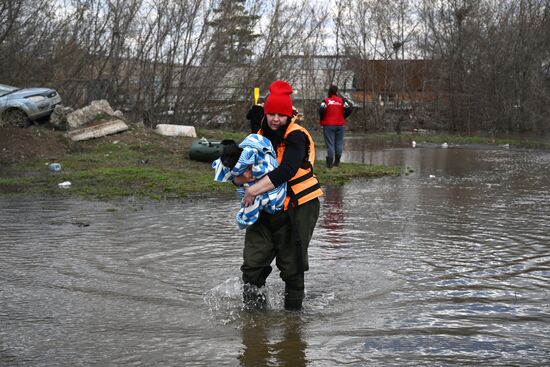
(204, 150)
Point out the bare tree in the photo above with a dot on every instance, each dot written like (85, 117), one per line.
(188, 61)
(25, 41)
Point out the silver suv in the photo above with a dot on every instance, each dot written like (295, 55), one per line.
(18, 107)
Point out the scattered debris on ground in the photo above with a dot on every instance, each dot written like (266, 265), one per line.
(97, 129)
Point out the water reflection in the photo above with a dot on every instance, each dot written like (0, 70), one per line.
(447, 265)
(273, 340)
(333, 218)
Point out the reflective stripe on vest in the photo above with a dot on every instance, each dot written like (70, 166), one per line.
(303, 186)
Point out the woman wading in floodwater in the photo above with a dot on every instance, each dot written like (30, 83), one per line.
(285, 235)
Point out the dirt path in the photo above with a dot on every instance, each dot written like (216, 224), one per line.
(18, 145)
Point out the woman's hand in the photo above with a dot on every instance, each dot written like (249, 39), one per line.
(261, 186)
(248, 198)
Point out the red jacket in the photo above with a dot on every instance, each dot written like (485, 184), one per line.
(334, 112)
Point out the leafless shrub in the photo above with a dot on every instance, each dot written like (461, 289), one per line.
(486, 64)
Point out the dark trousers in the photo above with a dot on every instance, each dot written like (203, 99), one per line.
(271, 238)
(334, 140)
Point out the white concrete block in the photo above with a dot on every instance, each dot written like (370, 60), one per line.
(97, 130)
(176, 130)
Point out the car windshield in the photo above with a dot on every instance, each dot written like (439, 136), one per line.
(6, 89)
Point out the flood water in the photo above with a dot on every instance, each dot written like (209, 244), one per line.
(448, 265)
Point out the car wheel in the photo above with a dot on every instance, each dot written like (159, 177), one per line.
(16, 118)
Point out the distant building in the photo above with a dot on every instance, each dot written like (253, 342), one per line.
(211, 90)
(395, 82)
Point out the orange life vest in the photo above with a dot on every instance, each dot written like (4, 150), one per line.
(303, 186)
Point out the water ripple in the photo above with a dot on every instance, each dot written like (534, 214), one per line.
(448, 265)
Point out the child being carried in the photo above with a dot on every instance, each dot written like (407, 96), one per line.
(257, 155)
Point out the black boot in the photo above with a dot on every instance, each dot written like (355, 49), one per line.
(337, 161)
(253, 298)
(329, 162)
(293, 297)
(293, 304)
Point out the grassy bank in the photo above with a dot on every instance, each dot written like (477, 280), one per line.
(142, 163)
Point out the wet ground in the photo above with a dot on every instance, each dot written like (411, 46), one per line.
(448, 265)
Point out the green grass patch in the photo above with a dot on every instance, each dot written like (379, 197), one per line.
(347, 171)
(110, 182)
(145, 164)
(106, 182)
(238, 136)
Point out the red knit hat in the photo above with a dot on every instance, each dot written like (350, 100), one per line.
(279, 100)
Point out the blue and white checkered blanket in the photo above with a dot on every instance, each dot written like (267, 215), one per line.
(258, 153)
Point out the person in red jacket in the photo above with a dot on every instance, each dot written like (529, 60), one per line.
(333, 112)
